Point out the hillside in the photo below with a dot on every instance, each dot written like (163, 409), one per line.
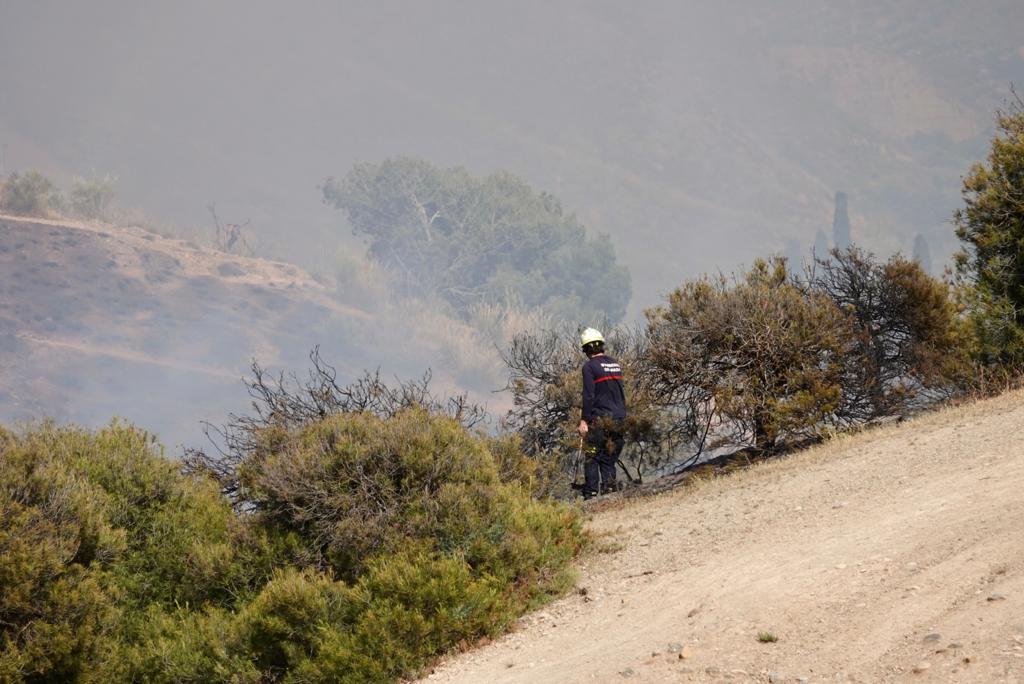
(892, 555)
(98, 320)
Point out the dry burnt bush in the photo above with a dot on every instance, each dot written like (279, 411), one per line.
(763, 357)
(907, 347)
(546, 383)
(778, 359)
(284, 402)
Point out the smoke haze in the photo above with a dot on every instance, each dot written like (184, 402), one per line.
(698, 136)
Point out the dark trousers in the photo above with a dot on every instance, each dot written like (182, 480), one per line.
(604, 444)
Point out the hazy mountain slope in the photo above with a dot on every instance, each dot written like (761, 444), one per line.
(97, 321)
(698, 135)
(867, 557)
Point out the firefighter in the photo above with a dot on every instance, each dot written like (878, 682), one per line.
(604, 412)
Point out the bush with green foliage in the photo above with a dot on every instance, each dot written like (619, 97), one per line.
(405, 609)
(354, 487)
(474, 241)
(91, 198)
(411, 540)
(97, 526)
(282, 404)
(168, 645)
(991, 227)
(367, 546)
(305, 626)
(56, 602)
(31, 194)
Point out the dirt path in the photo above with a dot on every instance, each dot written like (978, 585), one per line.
(870, 557)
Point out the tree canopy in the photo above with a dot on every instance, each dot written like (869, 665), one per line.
(991, 227)
(472, 240)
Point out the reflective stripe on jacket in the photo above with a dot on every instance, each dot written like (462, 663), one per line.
(603, 391)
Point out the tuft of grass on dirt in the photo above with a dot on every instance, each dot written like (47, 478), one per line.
(607, 542)
(767, 637)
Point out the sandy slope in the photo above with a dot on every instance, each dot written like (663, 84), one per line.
(131, 249)
(99, 320)
(868, 557)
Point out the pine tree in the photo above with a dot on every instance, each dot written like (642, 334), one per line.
(991, 227)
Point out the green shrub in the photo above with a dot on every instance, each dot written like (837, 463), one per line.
(991, 228)
(405, 535)
(31, 194)
(58, 599)
(402, 611)
(356, 486)
(54, 611)
(305, 627)
(95, 527)
(180, 645)
(282, 627)
(417, 606)
(91, 198)
(542, 478)
(183, 542)
(116, 567)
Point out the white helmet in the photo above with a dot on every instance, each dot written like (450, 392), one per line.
(591, 335)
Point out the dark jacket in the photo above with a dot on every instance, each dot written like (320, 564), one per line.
(603, 391)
